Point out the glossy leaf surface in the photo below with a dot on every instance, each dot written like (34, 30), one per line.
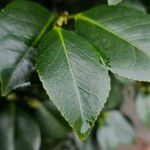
(123, 34)
(21, 25)
(73, 78)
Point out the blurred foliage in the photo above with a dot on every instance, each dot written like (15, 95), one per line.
(117, 130)
(143, 108)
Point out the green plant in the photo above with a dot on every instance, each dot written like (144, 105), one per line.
(73, 55)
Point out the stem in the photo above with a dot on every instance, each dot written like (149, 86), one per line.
(50, 19)
(72, 16)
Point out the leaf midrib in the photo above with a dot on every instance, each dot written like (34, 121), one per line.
(71, 71)
(90, 20)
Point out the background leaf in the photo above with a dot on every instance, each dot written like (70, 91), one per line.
(51, 123)
(143, 108)
(17, 129)
(115, 132)
(21, 26)
(115, 95)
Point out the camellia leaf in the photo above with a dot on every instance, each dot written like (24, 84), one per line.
(113, 2)
(143, 108)
(116, 131)
(18, 130)
(74, 79)
(22, 23)
(123, 34)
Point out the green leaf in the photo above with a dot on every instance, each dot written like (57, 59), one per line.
(52, 124)
(113, 2)
(73, 78)
(116, 131)
(18, 130)
(123, 34)
(22, 23)
(136, 4)
(143, 108)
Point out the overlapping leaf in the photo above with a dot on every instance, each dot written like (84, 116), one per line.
(21, 24)
(123, 34)
(73, 78)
